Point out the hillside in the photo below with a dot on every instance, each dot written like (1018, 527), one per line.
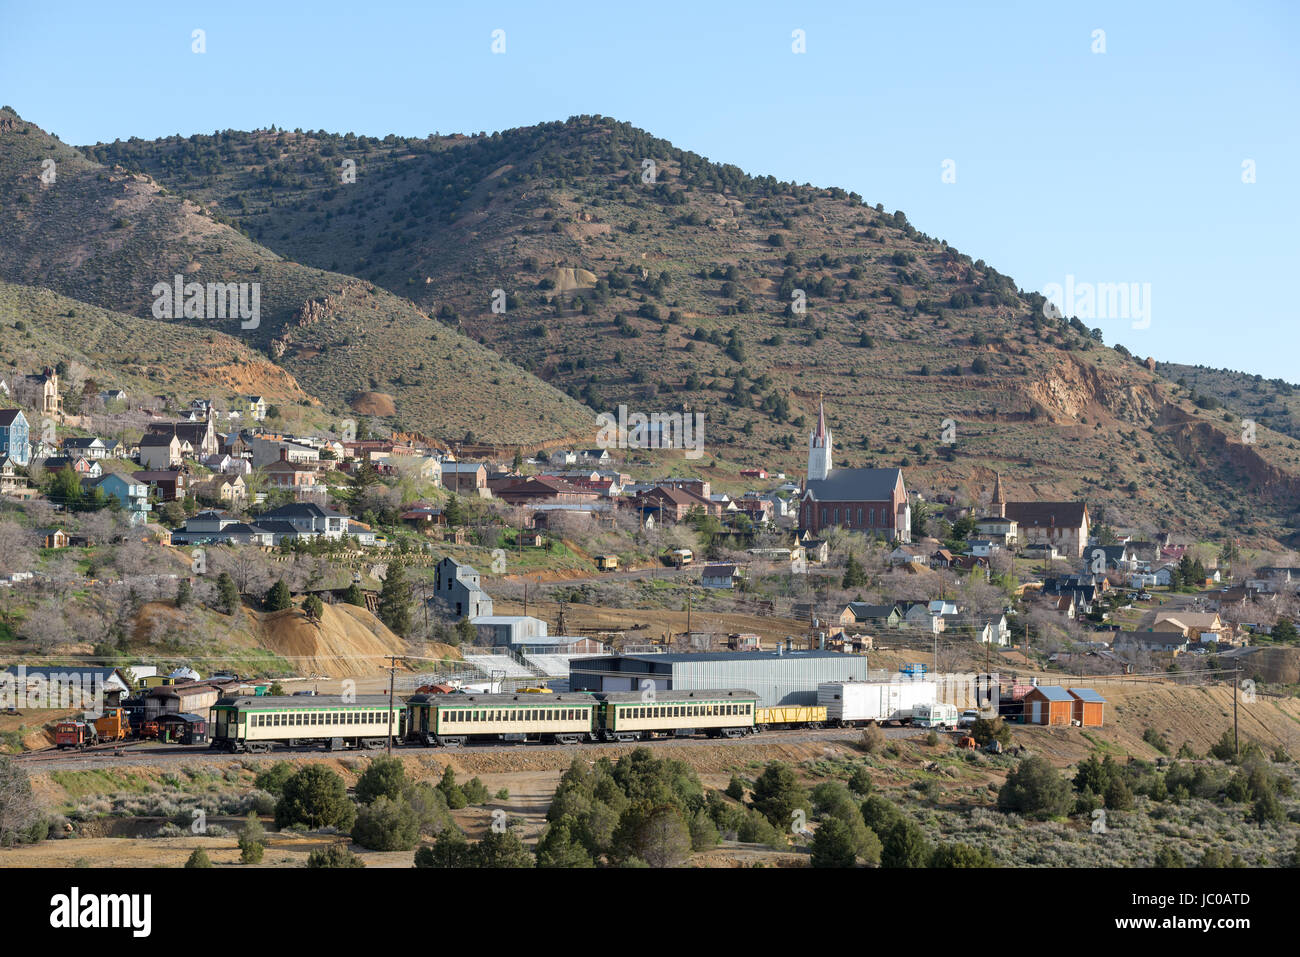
(141, 356)
(1271, 402)
(679, 293)
(108, 236)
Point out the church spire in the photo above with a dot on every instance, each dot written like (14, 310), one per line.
(819, 447)
(999, 502)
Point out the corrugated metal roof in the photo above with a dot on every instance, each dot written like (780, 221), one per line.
(1087, 694)
(688, 657)
(1054, 693)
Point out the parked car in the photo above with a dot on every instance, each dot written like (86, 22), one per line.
(968, 718)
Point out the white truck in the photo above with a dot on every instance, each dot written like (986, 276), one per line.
(857, 702)
(936, 715)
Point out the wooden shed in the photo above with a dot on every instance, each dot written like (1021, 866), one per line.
(1051, 705)
(1089, 707)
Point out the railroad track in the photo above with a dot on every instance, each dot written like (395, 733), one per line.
(52, 760)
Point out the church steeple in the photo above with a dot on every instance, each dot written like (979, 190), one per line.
(819, 447)
(999, 504)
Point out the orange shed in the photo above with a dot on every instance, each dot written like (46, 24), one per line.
(1048, 705)
(1088, 707)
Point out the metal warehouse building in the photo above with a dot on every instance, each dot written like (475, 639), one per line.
(789, 677)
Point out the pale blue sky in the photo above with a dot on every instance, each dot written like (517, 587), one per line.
(1122, 166)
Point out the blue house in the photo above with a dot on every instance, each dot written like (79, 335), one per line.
(130, 492)
(14, 433)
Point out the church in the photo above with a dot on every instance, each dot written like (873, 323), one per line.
(871, 501)
(1062, 525)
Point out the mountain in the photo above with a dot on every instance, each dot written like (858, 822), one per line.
(143, 357)
(680, 285)
(113, 238)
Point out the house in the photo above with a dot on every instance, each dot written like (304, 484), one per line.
(1049, 705)
(1104, 558)
(1197, 626)
(594, 456)
(424, 468)
(669, 503)
(51, 538)
(112, 395)
(269, 451)
(201, 436)
(815, 549)
(229, 490)
(720, 576)
(562, 457)
(161, 451)
(995, 632)
(255, 407)
(1164, 575)
(917, 614)
(1089, 707)
(11, 483)
(15, 436)
(998, 528)
(1172, 642)
(167, 485)
(48, 384)
(89, 447)
(942, 558)
(879, 616)
(291, 476)
(982, 547)
(908, 555)
(873, 501)
(82, 466)
(423, 516)
(531, 490)
(753, 473)
(310, 519)
(464, 478)
(131, 494)
(457, 589)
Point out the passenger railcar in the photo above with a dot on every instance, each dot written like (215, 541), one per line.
(331, 721)
(452, 720)
(632, 716)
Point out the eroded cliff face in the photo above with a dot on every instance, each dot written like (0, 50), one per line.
(1202, 445)
(1075, 389)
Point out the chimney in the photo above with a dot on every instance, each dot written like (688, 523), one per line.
(284, 455)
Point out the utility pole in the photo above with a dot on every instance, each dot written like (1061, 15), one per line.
(1236, 680)
(392, 672)
(525, 597)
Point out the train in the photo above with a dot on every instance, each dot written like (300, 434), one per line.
(332, 722)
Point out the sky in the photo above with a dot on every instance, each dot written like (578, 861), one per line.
(1074, 147)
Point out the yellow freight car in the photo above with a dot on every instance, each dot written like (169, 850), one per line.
(782, 717)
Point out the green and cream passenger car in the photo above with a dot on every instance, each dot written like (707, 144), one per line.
(331, 721)
(452, 720)
(636, 716)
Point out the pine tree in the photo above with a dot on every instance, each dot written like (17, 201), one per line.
(395, 600)
(278, 598)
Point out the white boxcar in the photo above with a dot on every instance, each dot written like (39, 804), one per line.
(856, 702)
